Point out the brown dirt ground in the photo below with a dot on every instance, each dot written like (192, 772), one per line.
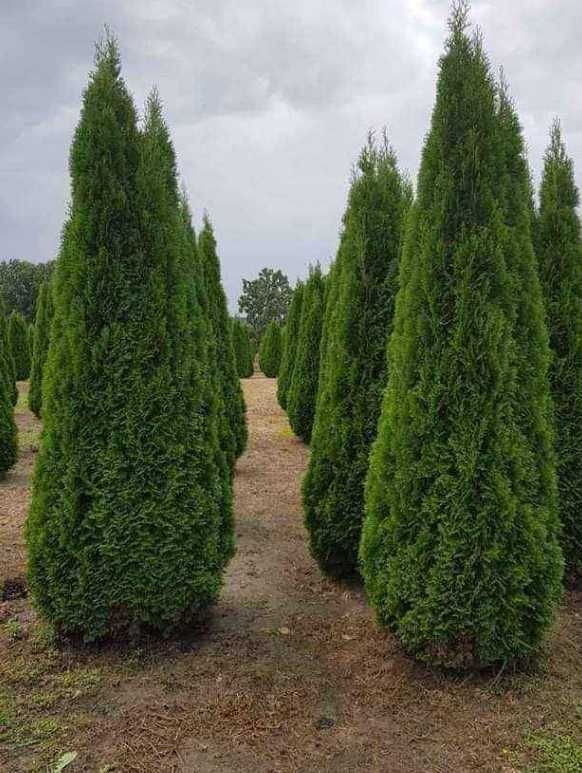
(289, 673)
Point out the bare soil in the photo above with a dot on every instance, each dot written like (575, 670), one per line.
(289, 673)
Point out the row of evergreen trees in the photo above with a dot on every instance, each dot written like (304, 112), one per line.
(130, 524)
(271, 349)
(439, 470)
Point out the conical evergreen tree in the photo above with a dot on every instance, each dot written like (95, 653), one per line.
(124, 526)
(8, 443)
(207, 350)
(234, 437)
(302, 393)
(459, 546)
(242, 348)
(7, 367)
(353, 381)
(18, 337)
(559, 251)
(290, 349)
(270, 350)
(44, 313)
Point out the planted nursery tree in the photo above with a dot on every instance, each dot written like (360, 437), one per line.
(234, 436)
(559, 251)
(8, 443)
(353, 378)
(302, 392)
(19, 345)
(44, 313)
(124, 526)
(290, 349)
(459, 547)
(270, 350)
(7, 367)
(242, 348)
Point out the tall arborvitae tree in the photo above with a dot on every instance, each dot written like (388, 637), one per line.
(234, 438)
(207, 350)
(44, 314)
(8, 443)
(7, 366)
(19, 346)
(124, 526)
(352, 383)
(270, 350)
(290, 349)
(559, 251)
(459, 546)
(302, 393)
(242, 348)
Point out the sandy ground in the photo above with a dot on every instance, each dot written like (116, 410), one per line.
(290, 673)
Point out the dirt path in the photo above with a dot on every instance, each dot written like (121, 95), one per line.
(289, 674)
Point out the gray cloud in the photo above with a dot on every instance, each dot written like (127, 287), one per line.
(269, 103)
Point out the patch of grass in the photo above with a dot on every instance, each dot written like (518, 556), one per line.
(556, 754)
(22, 403)
(28, 439)
(286, 431)
(13, 630)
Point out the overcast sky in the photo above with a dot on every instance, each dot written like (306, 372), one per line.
(269, 102)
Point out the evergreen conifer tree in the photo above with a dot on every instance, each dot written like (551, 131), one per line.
(44, 313)
(270, 350)
(290, 349)
(242, 348)
(559, 251)
(8, 435)
(234, 436)
(459, 546)
(18, 337)
(302, 394)
(206, 350)
(7, 367)
(124, 525)
(352, 382)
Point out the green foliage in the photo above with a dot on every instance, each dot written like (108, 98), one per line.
(19, 345)
(559, 251)
(353, 376)
(20, 282)
(8, 447)
(302, 392)
(234, 435)
(7, 366)
(44, 313)
(243, 348)
(556, 754)
(213, 401)
(270, 350)
(265, 299)
(290, 348)
(459, 547)
(125, 523)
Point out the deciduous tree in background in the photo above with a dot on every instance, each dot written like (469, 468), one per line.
(559, 251)
(459, 547)
(265, 299)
